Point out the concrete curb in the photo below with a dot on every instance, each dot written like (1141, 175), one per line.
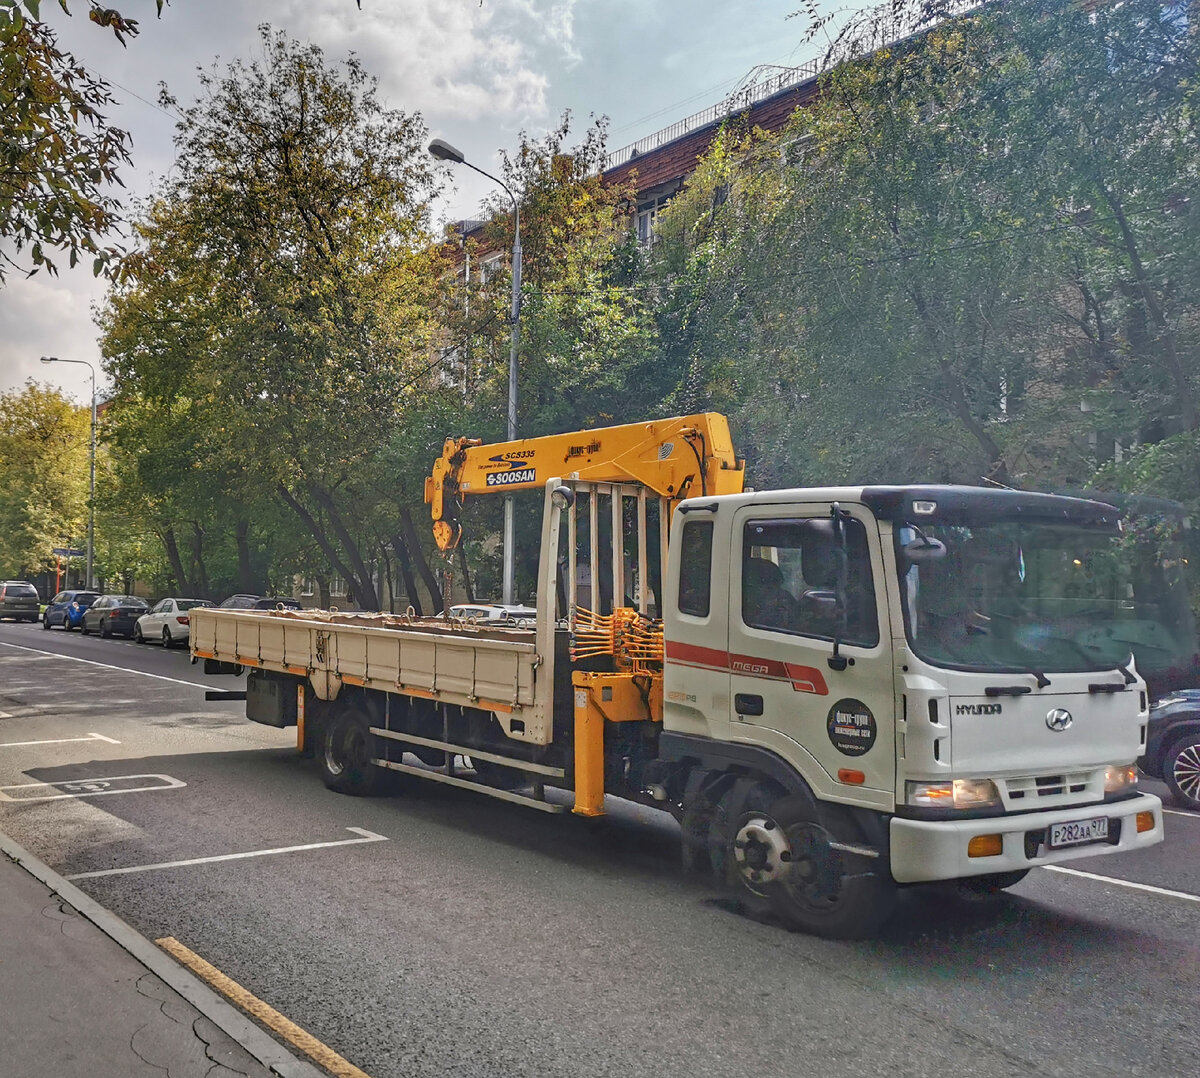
(269, 1052)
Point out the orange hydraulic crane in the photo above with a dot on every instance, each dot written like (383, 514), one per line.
(682, 457)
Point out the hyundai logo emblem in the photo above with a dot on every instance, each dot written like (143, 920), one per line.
(1058, 719)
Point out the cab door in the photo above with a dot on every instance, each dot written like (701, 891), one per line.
(798, 579)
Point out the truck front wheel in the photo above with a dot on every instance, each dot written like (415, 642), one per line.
(781, 854)
(346, 754)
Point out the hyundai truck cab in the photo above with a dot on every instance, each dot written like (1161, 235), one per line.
(952, 660)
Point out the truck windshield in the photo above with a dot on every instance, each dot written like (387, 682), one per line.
(1030, 596)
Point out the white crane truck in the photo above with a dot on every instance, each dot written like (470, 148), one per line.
(835, 691)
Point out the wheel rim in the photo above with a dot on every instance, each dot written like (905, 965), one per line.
(166, 638)
(346, 750)
(761, 852)
(1185, 769)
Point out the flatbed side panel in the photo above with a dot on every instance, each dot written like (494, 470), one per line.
(454, 666)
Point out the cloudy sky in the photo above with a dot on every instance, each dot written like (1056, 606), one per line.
(478, 72)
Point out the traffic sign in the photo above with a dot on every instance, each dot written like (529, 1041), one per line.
(66, 552)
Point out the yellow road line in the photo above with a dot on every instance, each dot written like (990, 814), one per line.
(266, 1014)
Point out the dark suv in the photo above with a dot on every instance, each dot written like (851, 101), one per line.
(258, 602)
(19, 600)
(1173, 745)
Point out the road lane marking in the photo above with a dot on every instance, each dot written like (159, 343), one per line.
(5, 715)
(56, 740)
(367, 836)
(87, 787)
(1148, 888)
(264, 1012)
(104, 666)
(1181, 812)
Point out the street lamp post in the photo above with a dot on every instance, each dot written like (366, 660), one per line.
(443, 151)
(91, 536)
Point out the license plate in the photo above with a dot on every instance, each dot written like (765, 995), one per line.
(1078, 831)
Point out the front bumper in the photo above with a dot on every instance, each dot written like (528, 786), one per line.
(925, 850)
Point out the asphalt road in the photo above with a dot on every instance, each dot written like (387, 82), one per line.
(441, 932)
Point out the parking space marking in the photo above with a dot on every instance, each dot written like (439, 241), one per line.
(55, 740)
(1148, 888)
(5, 715)
(87, 787)
(366, 836)
(104, 666)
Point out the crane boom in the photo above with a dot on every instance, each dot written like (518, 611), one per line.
(681, 457)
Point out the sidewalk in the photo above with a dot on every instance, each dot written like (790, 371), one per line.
(77, 1001)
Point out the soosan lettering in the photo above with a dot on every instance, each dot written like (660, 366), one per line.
(504, 479)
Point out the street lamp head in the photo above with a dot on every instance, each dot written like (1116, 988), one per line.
(443, 151)
(49, 359)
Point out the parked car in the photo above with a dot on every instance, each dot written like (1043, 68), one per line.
(167, 621)
(67, 608)
(1173, 746)
(113, 615)
(19, 600)
(259, 602)
(514, 614)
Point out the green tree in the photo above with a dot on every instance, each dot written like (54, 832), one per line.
(960, 240)
(287, 288)
(44, 441)
(60, 155)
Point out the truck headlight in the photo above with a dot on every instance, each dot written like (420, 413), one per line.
(1118, 778)
(956, 794)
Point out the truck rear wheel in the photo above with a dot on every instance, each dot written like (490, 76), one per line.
(776, 852)
(346, 753)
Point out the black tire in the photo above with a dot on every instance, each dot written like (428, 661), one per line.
(166, 638)
(46, 622)
(345, 754)
(1181, 770)
(83, 629)
(138, 638)
(67, 623)
(104, 633)
(991, 885)
(774, 851)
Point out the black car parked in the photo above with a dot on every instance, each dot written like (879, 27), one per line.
(259, 602)
(19, 600)
(1173, 745)
(113, 615)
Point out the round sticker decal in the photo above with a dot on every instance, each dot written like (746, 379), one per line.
(851, 727)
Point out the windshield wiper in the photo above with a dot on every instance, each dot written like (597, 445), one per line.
(1007, 690)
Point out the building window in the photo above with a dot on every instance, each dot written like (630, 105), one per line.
(646, 221)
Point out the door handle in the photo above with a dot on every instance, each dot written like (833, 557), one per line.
(745, 703)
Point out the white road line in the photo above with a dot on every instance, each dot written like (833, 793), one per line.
(367, 836)
(1184, 895)
(57, 740)
(104, 666)
(5, 715)
(1180, 812)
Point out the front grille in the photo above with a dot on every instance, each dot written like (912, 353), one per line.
(1044, 791)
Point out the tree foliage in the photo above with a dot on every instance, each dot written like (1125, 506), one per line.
(44, 441)
(286, 291)
(59, 157)
(972, 255)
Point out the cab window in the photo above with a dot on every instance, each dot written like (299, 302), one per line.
(790, 578)
(695, 568)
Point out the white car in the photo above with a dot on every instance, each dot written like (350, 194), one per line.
(523, 617)
(167, 622)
